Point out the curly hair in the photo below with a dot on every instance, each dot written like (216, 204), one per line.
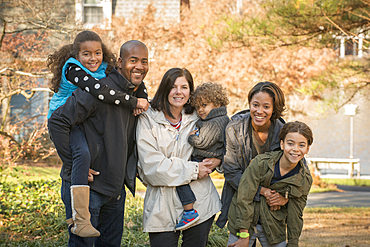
(56, 61)
(209, 92)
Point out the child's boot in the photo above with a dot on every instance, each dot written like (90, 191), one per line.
(80, 197)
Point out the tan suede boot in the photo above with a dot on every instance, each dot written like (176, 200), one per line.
(80, 195)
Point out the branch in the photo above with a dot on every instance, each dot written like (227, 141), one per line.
(24, 93)
(3, 133)
(17, 72)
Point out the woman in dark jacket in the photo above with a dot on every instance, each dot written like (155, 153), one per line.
(249, 133)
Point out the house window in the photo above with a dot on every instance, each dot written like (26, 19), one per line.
(93, 11)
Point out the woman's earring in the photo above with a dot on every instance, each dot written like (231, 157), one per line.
(188, 102)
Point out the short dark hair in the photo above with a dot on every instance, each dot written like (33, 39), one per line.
(297, 127)
(127, 46)
(276, 94)
(160, 99)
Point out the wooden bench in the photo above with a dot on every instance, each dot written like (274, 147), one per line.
(350, 165)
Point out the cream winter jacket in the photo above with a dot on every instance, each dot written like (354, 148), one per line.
(164, 163)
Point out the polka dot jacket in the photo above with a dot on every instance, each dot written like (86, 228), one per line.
(101, 91)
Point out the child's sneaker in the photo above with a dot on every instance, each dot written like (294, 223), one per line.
(187, 220)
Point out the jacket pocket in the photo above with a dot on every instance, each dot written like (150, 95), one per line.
(295, 192)
(200, 188)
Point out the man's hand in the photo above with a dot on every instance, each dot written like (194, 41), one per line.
(142, 104)
(91, 175)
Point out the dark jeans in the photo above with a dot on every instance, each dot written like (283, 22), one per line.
(80, 156)
(106, 216)
(186, 195)
(196, 236)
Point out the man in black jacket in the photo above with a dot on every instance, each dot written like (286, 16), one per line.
(110, 132)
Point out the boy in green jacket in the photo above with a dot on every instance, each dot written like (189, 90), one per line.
(282, 172)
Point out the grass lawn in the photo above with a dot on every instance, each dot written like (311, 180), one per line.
(31, 173)
(32, 214)
(350, 182)
(21, 173)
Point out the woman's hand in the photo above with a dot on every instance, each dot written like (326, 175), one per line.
(91, 175)
(273, 199)
(204, 171)
(211, 163)
(276, 200)
(241, 242)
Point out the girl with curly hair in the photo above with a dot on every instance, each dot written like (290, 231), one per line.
(210, 100)
(82, 64)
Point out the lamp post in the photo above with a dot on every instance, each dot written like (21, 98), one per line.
(350, 110)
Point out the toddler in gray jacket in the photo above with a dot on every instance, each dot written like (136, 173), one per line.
(208, 139)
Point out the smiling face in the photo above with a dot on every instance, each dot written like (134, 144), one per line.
(295, 147)
(205, 108)
(261, 108)
(179, 93)
(90, 55)
(134, 64)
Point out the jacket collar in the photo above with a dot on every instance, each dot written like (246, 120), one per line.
(158, 116)
(216, 112)
(121, 81)
(275, 156)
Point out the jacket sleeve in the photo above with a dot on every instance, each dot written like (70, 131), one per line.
(154, 167)
(99, 90)
(74, 111)
(248, 187)
(295, 219)
(208, 135)
(232, 169)
(295, 209)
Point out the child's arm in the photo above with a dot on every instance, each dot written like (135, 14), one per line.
(80, 78)
(208, 136)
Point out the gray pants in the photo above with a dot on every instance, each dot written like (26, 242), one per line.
(260, 234)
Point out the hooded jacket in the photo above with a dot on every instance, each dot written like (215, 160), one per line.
(164, 163)
(238, 156)
(109, 130)
(244, 211)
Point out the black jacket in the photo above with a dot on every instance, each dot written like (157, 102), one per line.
(110, 134)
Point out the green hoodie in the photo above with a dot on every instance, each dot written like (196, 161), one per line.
(244, 212)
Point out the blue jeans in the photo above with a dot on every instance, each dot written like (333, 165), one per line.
(185, 194)
(80, 156)
(196, 236)
(106, 216)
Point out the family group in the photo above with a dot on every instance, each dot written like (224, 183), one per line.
(107, 133)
